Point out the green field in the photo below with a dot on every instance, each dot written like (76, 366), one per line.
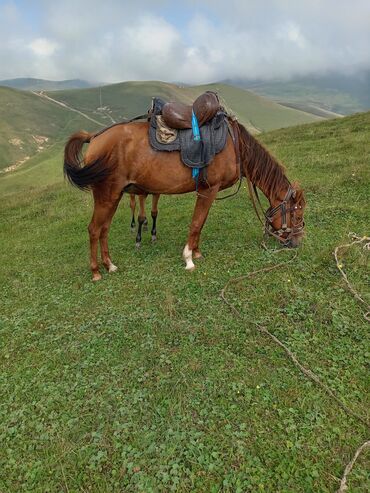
(145, 381)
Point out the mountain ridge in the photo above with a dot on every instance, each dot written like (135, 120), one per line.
(339, 93)
(34, 84)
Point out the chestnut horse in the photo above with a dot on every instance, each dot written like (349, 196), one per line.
(121, 159)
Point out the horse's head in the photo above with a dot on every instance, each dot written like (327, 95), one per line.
(284, 219)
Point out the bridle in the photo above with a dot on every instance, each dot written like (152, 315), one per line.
(283, 208)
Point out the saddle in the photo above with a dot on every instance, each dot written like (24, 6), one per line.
(171, 129)
(178, 115)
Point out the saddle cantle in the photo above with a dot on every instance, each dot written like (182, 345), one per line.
(178, 115)
(213, 125)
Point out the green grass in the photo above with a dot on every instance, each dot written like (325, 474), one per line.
(146, 382)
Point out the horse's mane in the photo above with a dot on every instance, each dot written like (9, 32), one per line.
(263, 170)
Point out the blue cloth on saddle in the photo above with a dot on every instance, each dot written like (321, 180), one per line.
(194, 153)
(195, 126)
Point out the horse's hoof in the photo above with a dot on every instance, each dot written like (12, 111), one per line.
(112, 268)
(198, 256)
(138, 245)
(190, 267)
(154, 238)
(96, 276)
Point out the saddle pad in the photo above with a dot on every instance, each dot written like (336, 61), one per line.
(195, 154)
(164, 133)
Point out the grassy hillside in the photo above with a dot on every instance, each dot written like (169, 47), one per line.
(129, 99)
(338, 93)
(146, 381)
(29, 124)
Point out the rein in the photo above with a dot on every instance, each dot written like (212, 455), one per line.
(234, 132)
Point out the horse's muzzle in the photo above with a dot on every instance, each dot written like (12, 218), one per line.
(293, 242)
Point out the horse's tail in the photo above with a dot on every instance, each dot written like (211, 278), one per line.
(82, 176)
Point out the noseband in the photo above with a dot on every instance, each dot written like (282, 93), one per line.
(271, 213)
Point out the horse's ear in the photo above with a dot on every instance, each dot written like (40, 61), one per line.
(298, 195)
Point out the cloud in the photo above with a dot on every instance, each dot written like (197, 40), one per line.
(196, 42)
(292, 32)
(42, 47)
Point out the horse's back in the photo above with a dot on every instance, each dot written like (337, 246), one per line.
(114, 140)
(126, 148)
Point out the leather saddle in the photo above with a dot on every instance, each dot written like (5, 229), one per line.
(178, 115)
(170, 129)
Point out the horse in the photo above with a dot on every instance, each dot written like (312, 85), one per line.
(142, 219)
(121, 159)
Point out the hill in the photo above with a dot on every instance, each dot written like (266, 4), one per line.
(128, 99)
(32, 121)
(334, 92)
(147, 381)
(31, 84)
(29, 124)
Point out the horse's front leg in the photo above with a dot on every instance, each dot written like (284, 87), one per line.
(132, 207)
(142, 220)
(203, 204)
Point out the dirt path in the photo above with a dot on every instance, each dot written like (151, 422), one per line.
(41, 94)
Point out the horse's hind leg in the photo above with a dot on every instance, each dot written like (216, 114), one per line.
(203, 204)
(104, 249)
(154, 216)
(98, 228)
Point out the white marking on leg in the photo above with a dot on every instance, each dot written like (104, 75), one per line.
(188, 257)
(112, 268)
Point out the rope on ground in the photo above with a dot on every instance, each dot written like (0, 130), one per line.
(356, 239)
(343, 484)
(310, 374)
(307, 372)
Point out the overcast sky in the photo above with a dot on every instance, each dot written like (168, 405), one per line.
(189, 41)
